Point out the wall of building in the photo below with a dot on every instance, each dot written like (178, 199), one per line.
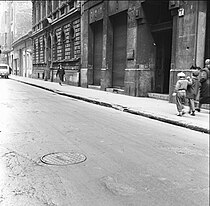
(162, 38)
(21, 56)
(56, 40)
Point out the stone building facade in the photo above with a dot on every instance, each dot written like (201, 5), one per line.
(139, 46)
(56, 39)
(21, 56)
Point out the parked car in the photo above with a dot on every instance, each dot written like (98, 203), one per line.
(5, 70)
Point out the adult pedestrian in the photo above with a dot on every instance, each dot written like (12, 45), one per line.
(60, 73)
(180, 92)
(192, 91)
(204, 85)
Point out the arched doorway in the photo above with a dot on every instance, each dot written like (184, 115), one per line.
(159, 18)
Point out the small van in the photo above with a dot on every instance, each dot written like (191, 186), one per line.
(5, 70)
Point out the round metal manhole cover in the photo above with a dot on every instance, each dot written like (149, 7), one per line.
(68, 158)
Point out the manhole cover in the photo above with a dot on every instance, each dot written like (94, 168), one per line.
(59, 158)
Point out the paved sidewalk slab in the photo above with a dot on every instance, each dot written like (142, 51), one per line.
(152, 108)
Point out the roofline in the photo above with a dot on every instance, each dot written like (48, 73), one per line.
(22, 38)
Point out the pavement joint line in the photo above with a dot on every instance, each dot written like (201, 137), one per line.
(122, 108)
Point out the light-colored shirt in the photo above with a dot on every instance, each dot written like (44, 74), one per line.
(182, 84)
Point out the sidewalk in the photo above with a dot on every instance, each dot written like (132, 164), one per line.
(152, 108)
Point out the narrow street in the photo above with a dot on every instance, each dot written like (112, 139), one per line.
(128, 160)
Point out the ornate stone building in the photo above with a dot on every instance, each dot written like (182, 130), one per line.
(56, 39)
(137, 47)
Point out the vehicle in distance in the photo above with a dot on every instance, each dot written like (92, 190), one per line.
(5, 70)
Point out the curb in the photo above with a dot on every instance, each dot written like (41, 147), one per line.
(123, 109)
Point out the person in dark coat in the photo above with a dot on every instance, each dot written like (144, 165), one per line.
(205, 85)
(60, 72)
(192, 91)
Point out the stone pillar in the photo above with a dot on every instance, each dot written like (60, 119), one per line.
(188, 39)
(86, 63)
(201, 32)
(139, 53)
(106, 71)
(131, 68)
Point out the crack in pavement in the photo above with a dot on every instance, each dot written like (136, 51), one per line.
(28, 183)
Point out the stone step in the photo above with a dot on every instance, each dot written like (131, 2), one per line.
(115, 90)
(159, 96)
(94, 87)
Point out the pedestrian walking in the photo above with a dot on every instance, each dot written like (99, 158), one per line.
(192, 91)
(180, 92)
(204, 97)
(60, 73)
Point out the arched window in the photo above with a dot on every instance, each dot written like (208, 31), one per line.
(43, 47)
(55, 47)
(63, 39)
(71, 36)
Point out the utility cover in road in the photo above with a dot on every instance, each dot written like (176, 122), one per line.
(58, 158)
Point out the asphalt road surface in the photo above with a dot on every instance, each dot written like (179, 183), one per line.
(130, 160)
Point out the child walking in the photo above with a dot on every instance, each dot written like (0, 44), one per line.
(180, 92)
(192, 91)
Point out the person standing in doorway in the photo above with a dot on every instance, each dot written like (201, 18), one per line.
(60, 73)
(205, 85)
(180, 92)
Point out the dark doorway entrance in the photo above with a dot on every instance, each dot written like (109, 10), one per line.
(97, 51)
(119, 23)
(159, 17)
(163, 60)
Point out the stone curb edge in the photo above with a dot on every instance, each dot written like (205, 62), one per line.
(121, 108)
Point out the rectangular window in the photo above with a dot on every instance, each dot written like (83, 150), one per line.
(49, 7)
(43, 9)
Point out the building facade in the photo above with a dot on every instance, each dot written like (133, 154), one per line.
(15, 22)
(21, 56)
(56, 39)
(139, 46)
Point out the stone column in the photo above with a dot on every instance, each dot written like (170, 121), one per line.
(201, 32)
(139, 53)
(106, 71)
(85, 68)
(131, 69)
